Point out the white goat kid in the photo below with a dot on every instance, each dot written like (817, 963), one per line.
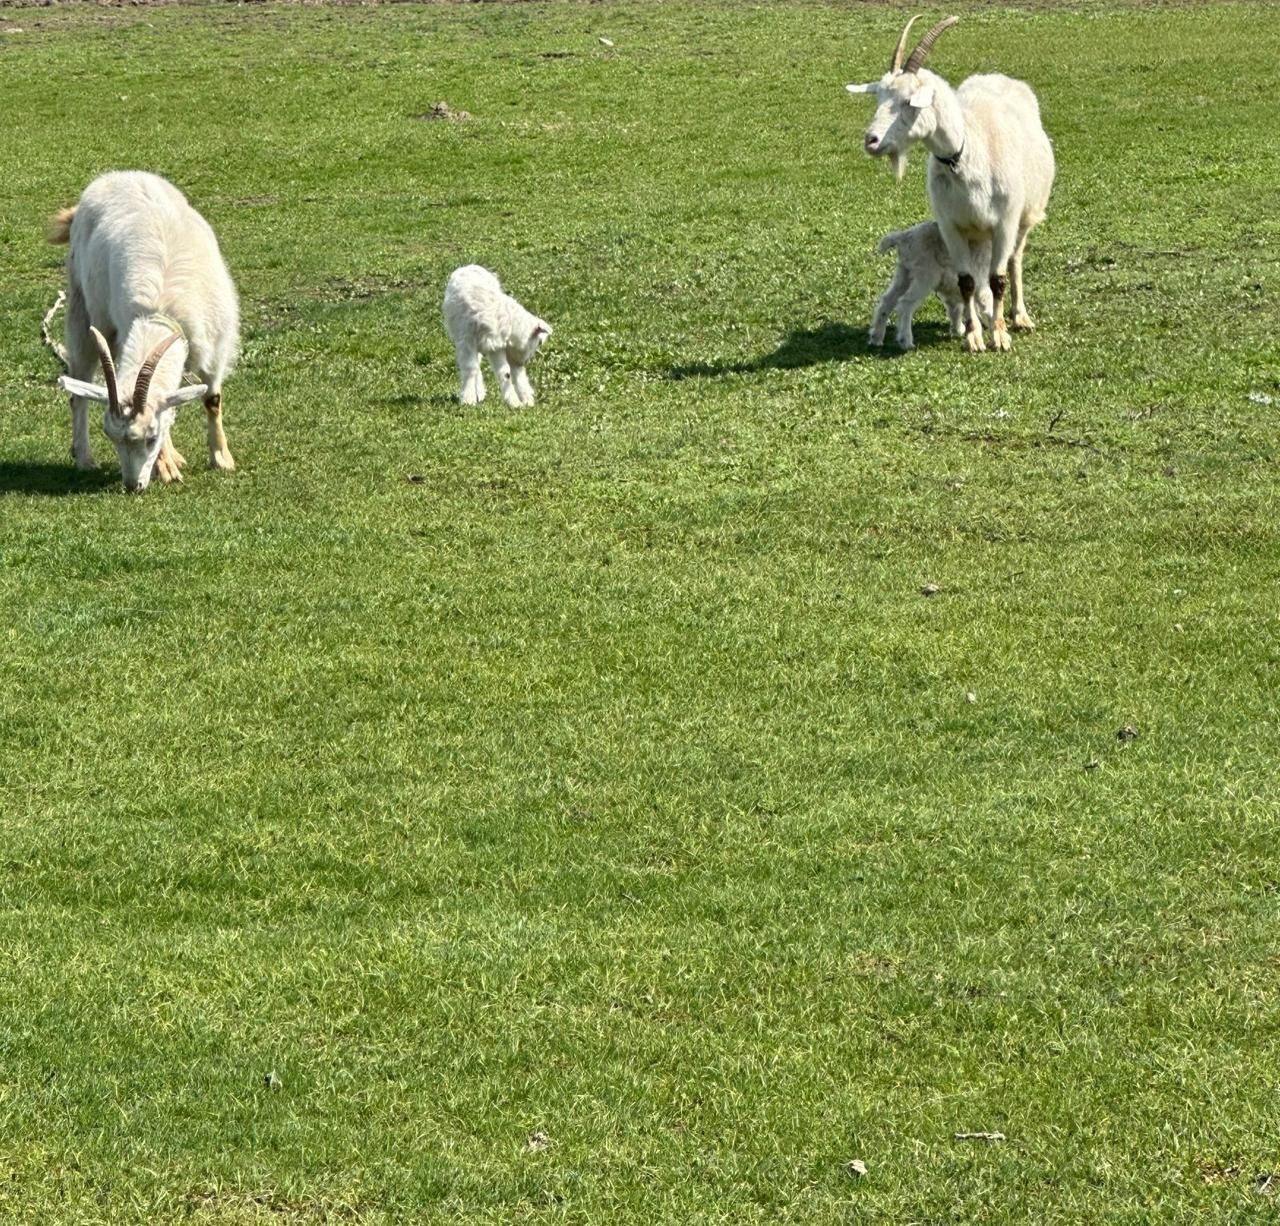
(148, 297)
(989, 177)
(481, 319)
(924, 266)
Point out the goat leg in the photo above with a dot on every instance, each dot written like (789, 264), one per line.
(999, 331)
(1020, 317)
(219, 452)
(973, 341)
(169, 463)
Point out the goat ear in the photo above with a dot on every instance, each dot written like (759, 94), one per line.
(870, 87)
(922, 98)
(183, 394)
(78, 387)
(542, 328)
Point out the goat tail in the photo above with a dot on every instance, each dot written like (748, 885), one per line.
(47, 336)
(60, 226)
(891, 240)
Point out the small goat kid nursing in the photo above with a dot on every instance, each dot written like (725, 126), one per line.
(989, 177)
(148, 297)
(924, 266)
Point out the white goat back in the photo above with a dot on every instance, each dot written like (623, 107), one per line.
(139, 248)
(479, 315)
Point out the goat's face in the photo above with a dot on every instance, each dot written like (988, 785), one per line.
(905, 99)
(904, 115)
(139, 424)
(137, 441)
(537, 334)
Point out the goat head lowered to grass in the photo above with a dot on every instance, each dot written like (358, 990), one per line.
(989, 177)
(145, 275)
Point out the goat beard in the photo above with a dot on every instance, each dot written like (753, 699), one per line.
(899, 159)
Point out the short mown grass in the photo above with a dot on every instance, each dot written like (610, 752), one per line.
(581, 811)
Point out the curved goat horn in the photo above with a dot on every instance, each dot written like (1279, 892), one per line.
(108, 370)
(895, 64)
(147, 369)
(925, 45)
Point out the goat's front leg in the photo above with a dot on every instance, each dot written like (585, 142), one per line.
(219, 452)
(999, 330)
(963, 257)
(973, 341)
(950, 295)
(524, 389)
(1002, 245)
(80, 451)
(506, 384)
(169, 462)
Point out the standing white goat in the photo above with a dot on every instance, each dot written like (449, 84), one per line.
(148, 296)
(481, 318)
(989, 177)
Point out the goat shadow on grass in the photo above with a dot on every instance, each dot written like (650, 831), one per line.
(829, 342)
(441, 401)
(54, 480)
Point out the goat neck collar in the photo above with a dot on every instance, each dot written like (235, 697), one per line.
(953, 162)
(169, 322)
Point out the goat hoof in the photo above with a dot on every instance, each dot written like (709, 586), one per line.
(1023, 323)
(1000, 341)
(974, 343)
(222, 460)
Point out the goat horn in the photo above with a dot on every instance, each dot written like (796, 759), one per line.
(147, 369)
(896, 65)
(108, 370)
(925, 45)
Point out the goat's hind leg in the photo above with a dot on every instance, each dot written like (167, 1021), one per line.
(888, 300)
(908, 305)
(219, 453)
(1021, 320)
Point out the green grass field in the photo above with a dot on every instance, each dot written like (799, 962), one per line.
(580, 811)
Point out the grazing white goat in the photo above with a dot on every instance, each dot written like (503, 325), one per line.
(989, 177)
(924, 265)
(148, 297)
(481, 319)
